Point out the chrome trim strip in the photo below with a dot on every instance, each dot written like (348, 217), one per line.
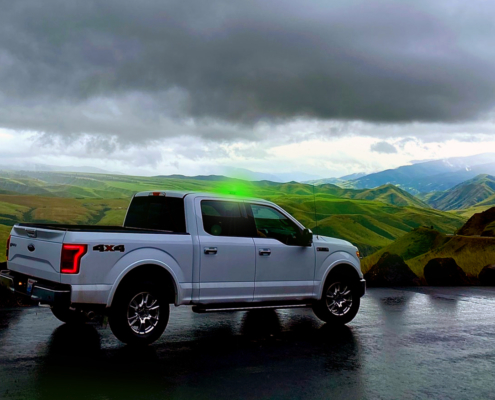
(205, 310)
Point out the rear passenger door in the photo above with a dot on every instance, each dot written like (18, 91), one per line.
(227, 265)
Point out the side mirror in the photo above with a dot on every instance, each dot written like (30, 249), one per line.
(307, 237)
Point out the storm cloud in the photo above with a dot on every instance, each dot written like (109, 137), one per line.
(383, 147)
(150, 69)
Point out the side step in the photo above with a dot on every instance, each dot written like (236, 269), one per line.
(203, 310)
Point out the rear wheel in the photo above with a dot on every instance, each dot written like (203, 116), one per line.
(139, 314)
(340, 301)
(69, 316)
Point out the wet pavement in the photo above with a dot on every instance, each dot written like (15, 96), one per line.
(404, 344)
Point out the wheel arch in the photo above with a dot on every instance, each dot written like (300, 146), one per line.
(339, 268)
(153, 271)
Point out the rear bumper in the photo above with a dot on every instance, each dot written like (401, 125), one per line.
(362, 288)
(43, 291)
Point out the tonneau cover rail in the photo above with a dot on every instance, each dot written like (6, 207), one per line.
(97, 228)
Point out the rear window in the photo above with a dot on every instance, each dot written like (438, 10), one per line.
(225, 218)
(157, 212)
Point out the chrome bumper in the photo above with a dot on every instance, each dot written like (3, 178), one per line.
(42, 291)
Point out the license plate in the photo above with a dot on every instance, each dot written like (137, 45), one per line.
(30, 284)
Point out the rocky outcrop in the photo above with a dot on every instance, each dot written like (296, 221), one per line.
(489, 230)
(444, 272)
(391, 270)
(487, 275)
(477, 224)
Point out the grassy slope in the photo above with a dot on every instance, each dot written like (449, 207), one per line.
(370, 225)
(489, 201)
(467, 194)
(391, 194)
(471, 254)
(4, 234)
(415, 243)
(469, 212)
(421, 245)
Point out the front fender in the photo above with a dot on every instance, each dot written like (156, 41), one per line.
(332, 261)
(145, 256)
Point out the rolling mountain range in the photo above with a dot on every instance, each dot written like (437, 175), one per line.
(473, 192)
(113, 186)
(424, 177)
(370, 218)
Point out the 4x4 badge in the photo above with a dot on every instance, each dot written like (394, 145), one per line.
(109, 247)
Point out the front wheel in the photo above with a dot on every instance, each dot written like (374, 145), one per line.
(340, 301)
(139, 314)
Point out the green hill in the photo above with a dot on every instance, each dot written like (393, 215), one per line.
(471, 254)
(421, 245)
(370, 225)
(470, 193)
(18, 208)
(415, 243)
(391, 194)
(489, 201)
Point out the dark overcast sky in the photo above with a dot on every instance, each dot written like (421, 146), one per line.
(145, 70)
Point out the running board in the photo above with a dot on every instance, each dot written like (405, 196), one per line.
(203, 310)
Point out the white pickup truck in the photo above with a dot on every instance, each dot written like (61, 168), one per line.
(213, 252)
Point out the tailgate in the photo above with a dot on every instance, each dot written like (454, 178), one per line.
(36, 252)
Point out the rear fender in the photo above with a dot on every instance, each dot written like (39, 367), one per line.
(142, 257)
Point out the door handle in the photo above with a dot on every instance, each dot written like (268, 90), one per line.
(265, 252)
(211, 250)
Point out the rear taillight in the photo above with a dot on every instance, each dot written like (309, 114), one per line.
(71, 258)
(8, 247)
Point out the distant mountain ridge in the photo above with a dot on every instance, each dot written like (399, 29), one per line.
(422, 176)
(431, 175)
(467, 194)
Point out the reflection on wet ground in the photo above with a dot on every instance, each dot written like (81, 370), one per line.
(410, 343)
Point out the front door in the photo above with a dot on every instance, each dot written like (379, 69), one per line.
(227, 266)
(284, 269)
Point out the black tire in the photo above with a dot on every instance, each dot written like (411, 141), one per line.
(334, 306)
(134, 317)
(65, 314)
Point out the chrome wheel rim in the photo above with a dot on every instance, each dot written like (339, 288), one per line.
(339, 299)
(143, 313)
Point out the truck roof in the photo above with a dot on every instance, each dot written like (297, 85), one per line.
(182, 194)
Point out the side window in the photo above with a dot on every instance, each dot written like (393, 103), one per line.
(271, 223)
(225, 218)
